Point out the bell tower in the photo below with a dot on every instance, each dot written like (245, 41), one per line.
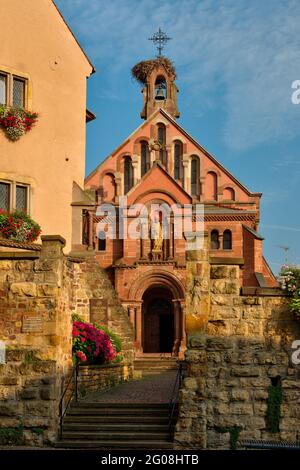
(158, 79)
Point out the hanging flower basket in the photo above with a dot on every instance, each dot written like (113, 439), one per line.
(18, 226)
(16, 121)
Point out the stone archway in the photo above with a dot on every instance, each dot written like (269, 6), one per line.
(160, 295)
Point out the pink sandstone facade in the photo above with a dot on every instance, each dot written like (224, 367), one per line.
(161, 163)
(48, 163)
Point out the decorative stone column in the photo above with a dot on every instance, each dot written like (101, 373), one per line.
(171, 239)
(183, 331)
(138, 329)
(118, 182)
(201, 188)
(91, 230)
(186, 164)
(136, 170)
(177, 320)
(132, 315)
(143, 244)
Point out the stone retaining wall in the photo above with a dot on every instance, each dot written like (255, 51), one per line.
(238, 347)
(38, 295)
(96, 378)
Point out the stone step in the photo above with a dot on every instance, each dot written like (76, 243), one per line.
(156, 369)
(116, 418)
(114, 444)
(109, 436)
(115, 427)
(109, 412)
(119, 405)
(157, 361)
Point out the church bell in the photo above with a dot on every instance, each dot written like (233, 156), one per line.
(160, 94)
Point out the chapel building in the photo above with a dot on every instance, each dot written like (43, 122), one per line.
(161, 163)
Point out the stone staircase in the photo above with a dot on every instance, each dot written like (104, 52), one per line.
(117, 426)
(153, 364)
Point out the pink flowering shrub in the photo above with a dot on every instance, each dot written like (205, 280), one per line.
(91, 345)
(289, 278)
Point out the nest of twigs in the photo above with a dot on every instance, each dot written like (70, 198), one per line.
(142, 70)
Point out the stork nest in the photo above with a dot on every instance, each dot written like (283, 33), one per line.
(142, 70)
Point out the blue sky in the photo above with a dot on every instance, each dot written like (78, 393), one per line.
(235, 61)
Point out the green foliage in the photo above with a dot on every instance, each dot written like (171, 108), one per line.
(11, 436)
(76, 317)
(30, 358)
(274, 405)
(234, 433)
(295, 306)
(37, 431)
(119, 359)
(116, 341)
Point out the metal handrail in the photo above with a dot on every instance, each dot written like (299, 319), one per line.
(174, 397)
(62, 410)
(261, 444)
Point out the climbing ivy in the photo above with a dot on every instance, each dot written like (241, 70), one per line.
(11, 436)
(273, 410)
(234, 433)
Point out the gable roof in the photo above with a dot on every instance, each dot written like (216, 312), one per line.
(76, 40)
(157, 166)
(209, 155)
(188, 136)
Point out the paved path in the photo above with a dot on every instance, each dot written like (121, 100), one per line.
(152, 389)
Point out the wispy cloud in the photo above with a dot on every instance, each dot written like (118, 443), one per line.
(239, 56)
(281, 227)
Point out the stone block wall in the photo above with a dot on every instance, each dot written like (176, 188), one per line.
(101, 378)
(243, 349)
(39, 291)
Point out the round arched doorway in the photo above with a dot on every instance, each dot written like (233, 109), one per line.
(158, 325)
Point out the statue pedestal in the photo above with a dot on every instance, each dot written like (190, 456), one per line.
(157, 255)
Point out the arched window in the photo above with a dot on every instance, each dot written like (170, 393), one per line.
(229, 194)
(227, 240)
(161, 138)
(214, 240)
(128, 174)
(145, 156)
(211, 186)
(178, 156)
(195, 173)
(109, 187)
(101, 241)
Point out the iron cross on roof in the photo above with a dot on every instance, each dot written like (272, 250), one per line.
(159, 40)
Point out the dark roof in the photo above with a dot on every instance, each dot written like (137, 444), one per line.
(254, 233)
(89, 116)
